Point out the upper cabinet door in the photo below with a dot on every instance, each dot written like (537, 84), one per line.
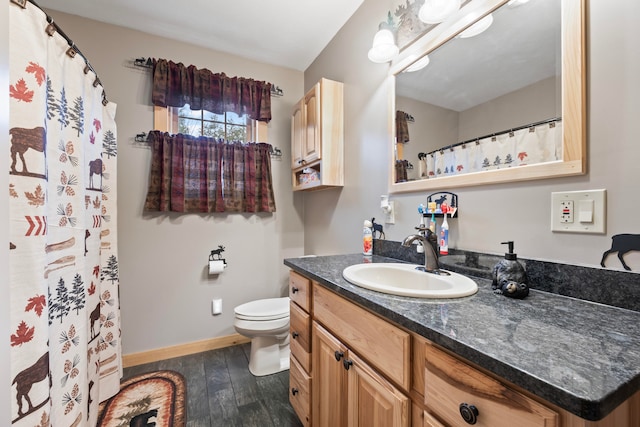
(312, 146)
(298, 132)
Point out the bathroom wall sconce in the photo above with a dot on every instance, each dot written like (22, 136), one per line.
(436, 11)
(477, 28)
(384, 47)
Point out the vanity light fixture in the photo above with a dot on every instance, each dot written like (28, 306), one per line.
(436, 11)
(418, 65)
(478, 27)
(384, 47)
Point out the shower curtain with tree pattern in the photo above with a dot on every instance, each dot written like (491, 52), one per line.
(65, 311)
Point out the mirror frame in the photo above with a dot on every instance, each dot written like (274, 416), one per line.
(574, 105)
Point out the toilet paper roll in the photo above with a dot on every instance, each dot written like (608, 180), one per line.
(216, 267)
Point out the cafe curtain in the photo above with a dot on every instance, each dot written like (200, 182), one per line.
(203, 174)
(65, 310)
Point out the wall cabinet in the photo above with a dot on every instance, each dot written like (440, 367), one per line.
(362, 370)
(317, 138)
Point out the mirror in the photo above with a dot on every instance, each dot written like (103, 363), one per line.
(549, 87)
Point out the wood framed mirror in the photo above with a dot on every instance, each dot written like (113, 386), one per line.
(569, 93)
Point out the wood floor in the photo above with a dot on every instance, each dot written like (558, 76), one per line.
(222, 392)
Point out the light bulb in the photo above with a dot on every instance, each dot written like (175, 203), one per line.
(436, 11)
(384, 47)
(418, 65)
(478, 27)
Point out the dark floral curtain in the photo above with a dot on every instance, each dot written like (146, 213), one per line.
(202, 174)
(175, 85)
(402, 127)
(401, 170)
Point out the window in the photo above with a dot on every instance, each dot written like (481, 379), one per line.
(228, 126)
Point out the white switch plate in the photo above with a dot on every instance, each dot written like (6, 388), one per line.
(566, 215)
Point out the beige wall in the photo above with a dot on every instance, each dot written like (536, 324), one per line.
(494, 213)
(166, 292)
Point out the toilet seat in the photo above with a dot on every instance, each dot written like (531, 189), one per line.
(264, 309)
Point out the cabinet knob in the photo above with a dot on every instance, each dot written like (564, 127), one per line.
(338, 355)
(295, 335)
(469, 413)
(347, 364)
(294, 391)
(294, 290)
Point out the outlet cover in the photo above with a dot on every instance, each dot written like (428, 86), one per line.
(579, 211)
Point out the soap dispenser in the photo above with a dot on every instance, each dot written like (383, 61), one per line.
(509, 276)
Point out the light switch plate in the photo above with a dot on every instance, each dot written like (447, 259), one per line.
(579, 211)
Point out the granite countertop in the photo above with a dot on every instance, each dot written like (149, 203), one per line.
(581, 356)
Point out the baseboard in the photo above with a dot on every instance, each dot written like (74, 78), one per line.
(141, 358)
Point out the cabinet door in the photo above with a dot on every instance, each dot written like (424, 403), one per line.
(373, 401)
(298, 133)
(329, 385)
(312, 144)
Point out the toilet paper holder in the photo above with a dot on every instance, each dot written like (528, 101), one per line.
(216, 255)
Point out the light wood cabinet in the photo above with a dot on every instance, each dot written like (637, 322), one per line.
(317, 138)
(300, 381)
(399, 378)
(349, 392)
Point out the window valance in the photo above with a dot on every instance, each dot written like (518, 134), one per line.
(175, 85)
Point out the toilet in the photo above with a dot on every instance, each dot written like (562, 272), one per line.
(266, 322)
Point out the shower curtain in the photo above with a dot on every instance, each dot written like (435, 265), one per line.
(65, 318)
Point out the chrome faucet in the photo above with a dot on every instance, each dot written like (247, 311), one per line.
(429, 242)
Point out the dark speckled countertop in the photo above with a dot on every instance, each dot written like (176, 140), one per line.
(579, 355)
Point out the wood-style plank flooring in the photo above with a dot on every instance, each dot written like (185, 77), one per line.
(222, 392)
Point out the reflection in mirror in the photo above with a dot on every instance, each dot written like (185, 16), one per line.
(486, 104)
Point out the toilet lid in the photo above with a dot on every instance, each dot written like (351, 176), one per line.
(264, 309)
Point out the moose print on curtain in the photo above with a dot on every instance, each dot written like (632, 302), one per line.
(65, 318)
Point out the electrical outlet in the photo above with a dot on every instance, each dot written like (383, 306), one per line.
(566, 214)
(579, 211)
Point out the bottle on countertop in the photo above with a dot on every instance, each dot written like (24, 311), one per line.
(367, 238)
(508, 273)
(444, 236)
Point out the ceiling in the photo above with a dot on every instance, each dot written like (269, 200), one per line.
(286, 33)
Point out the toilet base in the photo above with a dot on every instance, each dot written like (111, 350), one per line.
(269, 355)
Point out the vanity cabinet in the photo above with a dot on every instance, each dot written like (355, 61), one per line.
(317, 138)
(300, 344)
(363, 370)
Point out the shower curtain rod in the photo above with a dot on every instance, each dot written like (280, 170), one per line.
(477, 139)
(72, 45)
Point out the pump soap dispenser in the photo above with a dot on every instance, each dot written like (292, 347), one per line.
(509, 276)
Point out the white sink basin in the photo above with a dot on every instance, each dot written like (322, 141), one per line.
(405, 280)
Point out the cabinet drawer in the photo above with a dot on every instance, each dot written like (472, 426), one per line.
(300, 341)
(300, 290)
(386, 347)
(449, 383)
(300, 392)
